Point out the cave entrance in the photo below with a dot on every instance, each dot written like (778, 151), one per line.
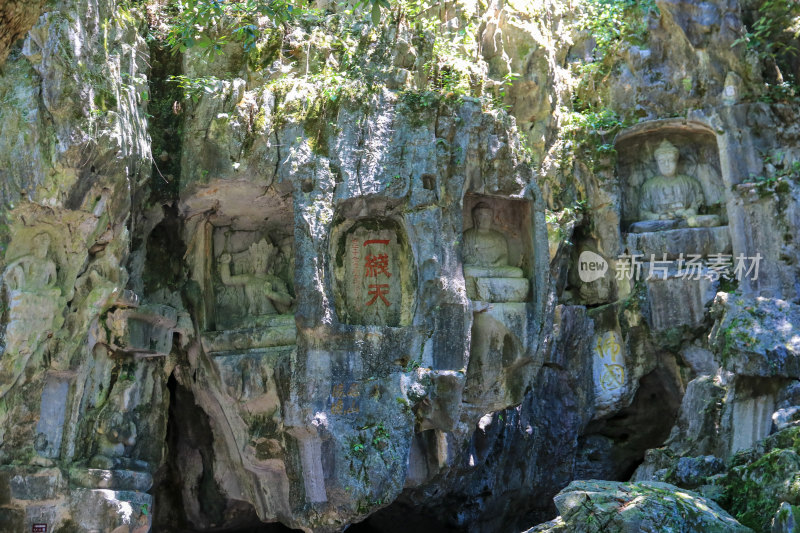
(401, 517)
(614, 447)
(186, 496)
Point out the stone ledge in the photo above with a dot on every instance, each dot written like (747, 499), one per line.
(96, 478)
(687, 241)
(281, 332)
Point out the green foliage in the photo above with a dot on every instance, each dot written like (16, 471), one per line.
(772, 36)
(785, 91)
(195, 87)
(380, 437)
(211, 24)
(411, 366)
(767, 35)
(779, 169)
(736, 335)
(612, 24)
(591, 131)
(747, 496)
(359, 450)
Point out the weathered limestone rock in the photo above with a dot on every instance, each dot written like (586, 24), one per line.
(16, 18)
(700, 360)
(628, 507)
(784, 520)
(761, 479)
(345, 292)
(703, 242)
(757, 337)
(677, 301)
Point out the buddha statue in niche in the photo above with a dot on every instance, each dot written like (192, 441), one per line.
(486, 249)
(488, 275)
(671, 198)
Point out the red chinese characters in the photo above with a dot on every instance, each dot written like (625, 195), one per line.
(376, 265)
(379, 291)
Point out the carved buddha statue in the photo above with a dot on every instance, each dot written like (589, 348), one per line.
(671, 198)
(265, 292)
(34, 272)
(485, 249)
(32, 293)
(670, 195)
(33, 307)
(488, 275)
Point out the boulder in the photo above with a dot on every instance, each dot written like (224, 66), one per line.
(612, 506)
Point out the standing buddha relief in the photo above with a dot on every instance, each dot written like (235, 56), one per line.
(33, 307)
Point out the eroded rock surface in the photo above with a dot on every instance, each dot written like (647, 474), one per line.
(628, 507)
(346, 278)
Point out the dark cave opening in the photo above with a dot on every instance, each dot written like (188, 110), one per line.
(401, 517)
(187, 498)
(613, 448)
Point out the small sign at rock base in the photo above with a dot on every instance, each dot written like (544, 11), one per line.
(39, 528)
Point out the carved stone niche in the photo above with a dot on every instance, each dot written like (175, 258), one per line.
(672, 194)
(375, 277)
(143, 331)
(497, 249)
(242, 257)
(497, 254)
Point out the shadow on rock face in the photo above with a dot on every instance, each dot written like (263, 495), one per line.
(187, 496)
(400, 517)
(612, 448)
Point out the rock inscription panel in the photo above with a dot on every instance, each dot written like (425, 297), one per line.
(608, 369)
(374, 277)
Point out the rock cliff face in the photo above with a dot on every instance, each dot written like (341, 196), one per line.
(419, 274)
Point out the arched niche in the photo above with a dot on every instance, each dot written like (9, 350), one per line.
(697, 159)
(498, 262)
(374, 272)
(498, 258)
(242, 255)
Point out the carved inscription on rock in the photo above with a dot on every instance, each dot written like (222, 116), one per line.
(374, 275)
(609, 368)
(345, 398)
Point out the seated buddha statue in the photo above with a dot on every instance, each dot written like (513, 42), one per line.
(489, 276)
(671, 198)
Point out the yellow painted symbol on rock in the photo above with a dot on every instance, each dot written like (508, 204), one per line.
(611, 345)
(613, 377)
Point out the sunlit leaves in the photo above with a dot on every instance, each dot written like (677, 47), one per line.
(210, 24)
